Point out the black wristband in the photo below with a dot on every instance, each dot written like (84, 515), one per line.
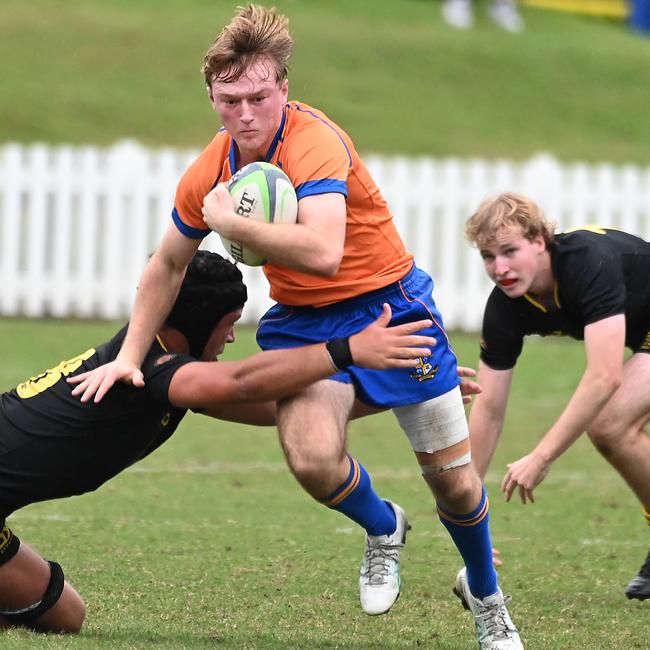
(339, 351)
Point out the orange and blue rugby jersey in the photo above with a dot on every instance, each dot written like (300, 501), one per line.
(319, 158)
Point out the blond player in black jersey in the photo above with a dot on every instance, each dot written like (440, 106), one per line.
(591, 284)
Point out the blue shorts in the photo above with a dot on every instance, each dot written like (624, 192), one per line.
(410, 300)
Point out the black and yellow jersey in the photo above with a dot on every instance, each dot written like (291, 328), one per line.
(598, 273)
(53, 445)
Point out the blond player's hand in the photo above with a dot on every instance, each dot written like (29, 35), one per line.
(525, 475)
(96, 383)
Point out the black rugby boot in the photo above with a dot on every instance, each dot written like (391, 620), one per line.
(640, 585)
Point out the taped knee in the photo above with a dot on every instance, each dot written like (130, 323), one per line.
(27, 616)
(9, 545)
(438, 433)
(455, 456)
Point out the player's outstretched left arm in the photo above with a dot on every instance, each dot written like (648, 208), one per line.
(262, 414)
(275, 374)
(604, 345)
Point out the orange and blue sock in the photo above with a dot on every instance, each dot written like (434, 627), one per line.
(357, 499)
(471, 534)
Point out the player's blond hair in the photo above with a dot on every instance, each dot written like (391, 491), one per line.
(254, 33)
(506, 211)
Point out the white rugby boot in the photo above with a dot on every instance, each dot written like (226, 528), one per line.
(458, 13)
(494, 627)
(379, 581)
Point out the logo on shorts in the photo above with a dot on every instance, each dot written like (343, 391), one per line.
(5, 538)
(424, 370)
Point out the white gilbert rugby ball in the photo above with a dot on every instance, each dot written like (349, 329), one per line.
(263, 192)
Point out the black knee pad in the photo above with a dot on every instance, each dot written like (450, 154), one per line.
(27, 616)
(9, 545)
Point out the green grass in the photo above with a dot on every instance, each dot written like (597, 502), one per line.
(391, 72)
(210, 542)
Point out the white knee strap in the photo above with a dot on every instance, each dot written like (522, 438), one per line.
(435, 425)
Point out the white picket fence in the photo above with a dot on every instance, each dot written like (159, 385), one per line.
(78, 223)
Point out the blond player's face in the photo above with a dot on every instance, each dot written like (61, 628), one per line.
(223, 333)
(251, 108)
(512, 261)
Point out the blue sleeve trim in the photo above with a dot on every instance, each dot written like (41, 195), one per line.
(323, 186)
(232, 160)
(188, 231)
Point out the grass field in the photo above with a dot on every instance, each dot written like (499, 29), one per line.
(210, 542)
(391, 72)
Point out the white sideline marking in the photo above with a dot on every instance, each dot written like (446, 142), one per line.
(348, 530)
(245, 468)
(377, 472)
(608, 542)
(28, 515)
(428, 532)
(212, 468)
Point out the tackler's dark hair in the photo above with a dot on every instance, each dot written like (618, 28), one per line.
(212, 288)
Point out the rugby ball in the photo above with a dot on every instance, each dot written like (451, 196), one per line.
(263, 192)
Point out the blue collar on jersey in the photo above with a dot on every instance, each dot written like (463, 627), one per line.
(274, 144)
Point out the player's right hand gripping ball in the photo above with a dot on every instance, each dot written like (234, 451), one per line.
(263, 192)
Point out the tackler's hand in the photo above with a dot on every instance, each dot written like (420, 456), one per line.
(380, 346)
(468, 388)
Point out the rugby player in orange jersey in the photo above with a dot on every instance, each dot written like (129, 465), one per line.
(330, 274)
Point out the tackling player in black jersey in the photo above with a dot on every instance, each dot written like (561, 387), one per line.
(592, 284)
(53, 445)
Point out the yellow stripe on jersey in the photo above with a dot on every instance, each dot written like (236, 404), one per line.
(35, 385)
(538, 305)
(590, 227)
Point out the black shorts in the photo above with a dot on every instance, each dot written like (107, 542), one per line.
(37, 467)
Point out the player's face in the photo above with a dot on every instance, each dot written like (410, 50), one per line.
(513, 262)
(223, 333)
(251, 109)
